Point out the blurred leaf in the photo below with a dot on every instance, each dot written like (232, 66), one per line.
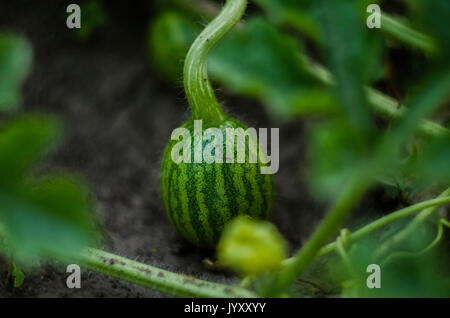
(18, 276)
(400, 181)
(15, 275)
(52, 216)
(431, 165)
(433, 18)
(39, 216)
(301, 15)
(432, 92)
(93, 16)
(260, 62)
(434, 163)
(351, 57)
(256, 61)
(336, 153)
(414, 276)
(294, 13)
(15, 63)
(170, 36)
(22, 143)
(352, 52)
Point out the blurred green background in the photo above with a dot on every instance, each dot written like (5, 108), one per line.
(100, 103)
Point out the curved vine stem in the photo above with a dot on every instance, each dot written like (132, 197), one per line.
(202, 100)
(427, 207)
(151, 277)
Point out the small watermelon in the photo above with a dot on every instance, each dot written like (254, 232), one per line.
(200, 198)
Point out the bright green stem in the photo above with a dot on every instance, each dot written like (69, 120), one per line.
(203, 102)
(405, 34)
(154, 278)
(328, 227)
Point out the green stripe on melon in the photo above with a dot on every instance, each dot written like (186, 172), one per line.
(200, 198)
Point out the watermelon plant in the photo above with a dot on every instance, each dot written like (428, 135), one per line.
(227, 205)
(200, 198)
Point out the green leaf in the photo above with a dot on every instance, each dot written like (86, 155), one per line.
(18, 276)
(350, 56)
(432, 92)
(22, 143)
(170, 36)
(48, 216)
(293, 13)
(336, 152)
(353, 53)
(93, 16)
(15, 63)
(260, 62)
(434, 163)
(301, 15)
(405, 272)
(432, 17)
(256, 60)
(45, 215)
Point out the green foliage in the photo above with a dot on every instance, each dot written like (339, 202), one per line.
(336, 153)
(304, 16)
(15, 62)
(18, 276)
(170, 36)
(296, 14)
(282, 84)
(44, 215)
(261, 62)
(432, 17)
(340, 150)
(40, 215)
(351, 63)
(93, 16)
(434, 165)
(409, 270)
(23, 143)
(15, 274)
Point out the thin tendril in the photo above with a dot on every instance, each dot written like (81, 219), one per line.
(437, 239)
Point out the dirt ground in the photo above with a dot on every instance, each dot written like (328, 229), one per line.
(118, 117)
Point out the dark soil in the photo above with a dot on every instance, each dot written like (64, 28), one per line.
(118, 117)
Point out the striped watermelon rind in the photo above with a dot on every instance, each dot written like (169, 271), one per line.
(200, 198)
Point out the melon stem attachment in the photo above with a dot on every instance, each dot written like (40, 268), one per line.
(200, 94)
